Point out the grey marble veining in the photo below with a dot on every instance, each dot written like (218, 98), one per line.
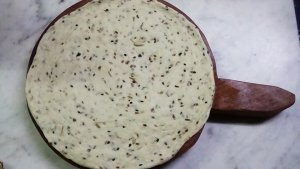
(254, 41)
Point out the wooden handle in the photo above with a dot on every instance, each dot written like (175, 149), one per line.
(235, 98)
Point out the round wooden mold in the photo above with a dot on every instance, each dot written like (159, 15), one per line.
(226, 101)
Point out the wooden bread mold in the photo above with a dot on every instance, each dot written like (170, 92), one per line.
(232, 98)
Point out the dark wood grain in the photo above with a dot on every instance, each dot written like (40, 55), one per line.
(235, 98)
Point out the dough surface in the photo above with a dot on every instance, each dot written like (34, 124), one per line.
(120, 84)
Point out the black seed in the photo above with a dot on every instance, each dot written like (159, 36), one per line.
(106, 10)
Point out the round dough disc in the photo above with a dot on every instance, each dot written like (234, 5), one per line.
(120, 84)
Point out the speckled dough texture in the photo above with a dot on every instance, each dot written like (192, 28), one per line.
(120, 84)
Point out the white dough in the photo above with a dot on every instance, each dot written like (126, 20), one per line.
(120, 84)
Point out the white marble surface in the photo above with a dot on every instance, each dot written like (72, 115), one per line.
(253, 40)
